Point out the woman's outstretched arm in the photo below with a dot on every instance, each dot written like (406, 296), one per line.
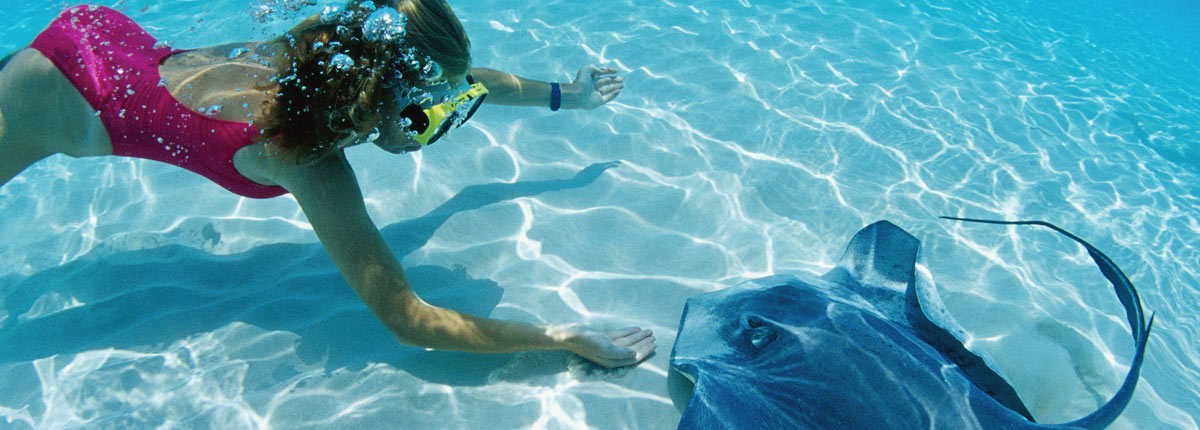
(593, 87)
(331, 199)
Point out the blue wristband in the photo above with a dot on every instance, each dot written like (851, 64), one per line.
(555, 96)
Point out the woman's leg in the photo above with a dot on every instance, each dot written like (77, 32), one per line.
(42, 114)
(15, 157)
(16, 152)
(4, 62)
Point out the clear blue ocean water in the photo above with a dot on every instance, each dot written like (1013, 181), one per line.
(754, 137)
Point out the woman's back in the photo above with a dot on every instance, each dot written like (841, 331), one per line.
(230, 82)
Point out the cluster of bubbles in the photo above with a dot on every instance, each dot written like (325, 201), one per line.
(265, 11)
(382, 25)
(342, 62)
(386, 25)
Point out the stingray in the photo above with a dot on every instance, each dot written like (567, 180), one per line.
(868, 345)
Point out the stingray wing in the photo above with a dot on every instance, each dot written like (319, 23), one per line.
(1139, 327)
(881, 261)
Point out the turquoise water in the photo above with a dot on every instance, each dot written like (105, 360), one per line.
(753, 137)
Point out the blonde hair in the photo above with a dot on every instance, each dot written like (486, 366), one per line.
(333, 84)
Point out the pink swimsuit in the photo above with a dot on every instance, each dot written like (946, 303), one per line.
(113, 63)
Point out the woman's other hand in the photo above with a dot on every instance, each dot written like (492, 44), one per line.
(593, 87)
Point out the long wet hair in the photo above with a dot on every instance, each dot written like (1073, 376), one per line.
(321, 102)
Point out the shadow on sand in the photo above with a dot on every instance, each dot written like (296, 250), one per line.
(152, 297)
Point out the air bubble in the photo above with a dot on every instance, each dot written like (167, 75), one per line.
(462, 111)
(297, 5)
(262, 12)
(330, 13)
(265, 11)
(341, 62)
(432, 71)
(385, 25)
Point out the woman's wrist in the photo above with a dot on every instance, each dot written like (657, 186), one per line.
(570, 95)
(555, 96)
(564, 337)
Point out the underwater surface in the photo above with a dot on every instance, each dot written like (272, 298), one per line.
(753, 138)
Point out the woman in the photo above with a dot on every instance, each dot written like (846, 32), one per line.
(265, 119)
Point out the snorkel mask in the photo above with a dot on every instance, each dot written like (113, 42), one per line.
(427, 122)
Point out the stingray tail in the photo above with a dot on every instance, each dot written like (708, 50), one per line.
(1139, 327)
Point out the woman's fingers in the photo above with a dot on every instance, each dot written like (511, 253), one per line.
(621, 347)
(598, 71)
(622, 332)
(643, 348)
(599, 85)
(609, 83)
(638, 340)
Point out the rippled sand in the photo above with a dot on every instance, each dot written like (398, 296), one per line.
(753, 138)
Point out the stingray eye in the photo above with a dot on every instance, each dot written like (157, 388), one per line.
(752, 322)
(761, 334)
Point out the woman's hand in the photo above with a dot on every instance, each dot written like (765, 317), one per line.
(593, 87)
(616, 348)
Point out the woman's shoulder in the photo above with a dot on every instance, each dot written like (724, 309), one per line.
(267, 164)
